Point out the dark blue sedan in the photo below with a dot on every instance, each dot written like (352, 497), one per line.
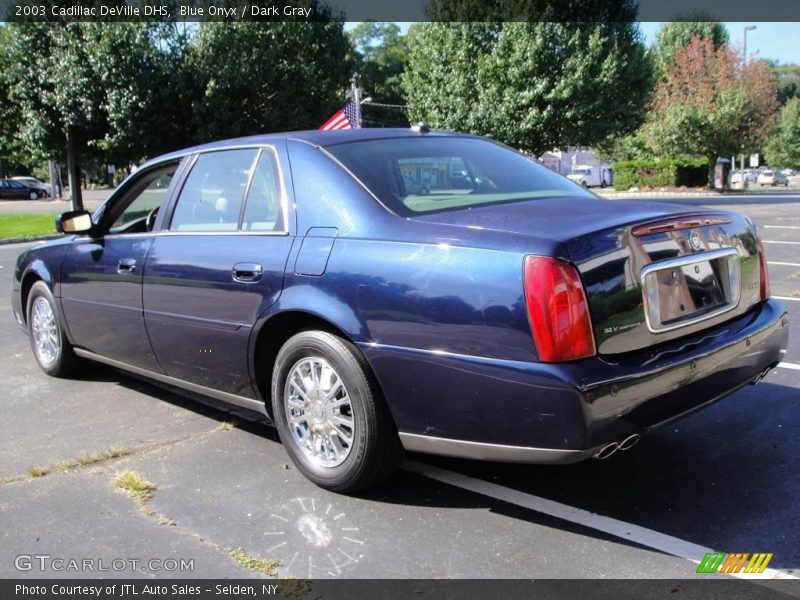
(371, 291)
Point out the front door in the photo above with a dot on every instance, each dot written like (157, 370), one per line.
(217, 267)
(101, 285)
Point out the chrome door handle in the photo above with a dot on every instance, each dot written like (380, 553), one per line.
(246, 272)
(126, 265)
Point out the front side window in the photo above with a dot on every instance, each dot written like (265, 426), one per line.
(211, 198)
(148, 196)
(430, 174)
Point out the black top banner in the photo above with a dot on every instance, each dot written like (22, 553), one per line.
(405, 11)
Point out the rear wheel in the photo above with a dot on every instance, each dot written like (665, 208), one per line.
(330, 414)
(50, 346)
(33, 195)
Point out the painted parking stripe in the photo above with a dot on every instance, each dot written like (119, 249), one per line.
(780, 226)
(786, 298)
(784, 264)
(785, 365)
(780, 242)
(620, 529)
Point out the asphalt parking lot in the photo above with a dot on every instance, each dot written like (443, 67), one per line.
(225, 493)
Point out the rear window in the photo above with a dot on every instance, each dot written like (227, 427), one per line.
(429, 174)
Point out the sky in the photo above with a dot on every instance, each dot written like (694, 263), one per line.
(778, 41)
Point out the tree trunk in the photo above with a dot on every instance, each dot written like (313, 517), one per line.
(712, 163)
(74, 171)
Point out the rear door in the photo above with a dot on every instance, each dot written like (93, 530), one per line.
(217, 266)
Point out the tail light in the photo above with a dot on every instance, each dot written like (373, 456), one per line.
(558, 310)
(762, 269)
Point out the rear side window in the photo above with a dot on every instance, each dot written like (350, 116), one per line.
(263, 210)
(211, 198)
(431, 174)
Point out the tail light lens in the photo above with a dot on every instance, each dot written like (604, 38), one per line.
(558, 310)
(762, 268)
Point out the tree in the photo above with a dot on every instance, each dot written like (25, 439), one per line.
(679, 33)
(788, 76)
(783, 149)
(79, 97)
(711, 104)
(381, 54)
(260, 77)
(533, 85)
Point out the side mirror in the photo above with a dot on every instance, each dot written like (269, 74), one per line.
(75, 221)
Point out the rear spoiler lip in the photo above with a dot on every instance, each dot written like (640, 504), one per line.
(680, 222)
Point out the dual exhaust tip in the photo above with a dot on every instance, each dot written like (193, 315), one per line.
(609, 449)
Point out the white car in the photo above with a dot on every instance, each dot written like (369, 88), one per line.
(772, 178)
(36, 184)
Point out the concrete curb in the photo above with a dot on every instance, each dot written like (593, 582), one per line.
(29, 238)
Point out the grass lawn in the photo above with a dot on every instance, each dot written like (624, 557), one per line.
(13, 225)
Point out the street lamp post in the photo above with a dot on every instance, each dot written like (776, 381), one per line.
(744, 53)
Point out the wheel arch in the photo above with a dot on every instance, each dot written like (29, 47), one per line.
(37, 271)
(271, 334)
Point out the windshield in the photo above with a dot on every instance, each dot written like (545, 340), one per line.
(581, 171)
(429, 174)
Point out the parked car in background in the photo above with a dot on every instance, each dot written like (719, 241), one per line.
(34, 183)
(772, 178)
(11, 189)
(738, 177)
(523, 319)
(590, 176)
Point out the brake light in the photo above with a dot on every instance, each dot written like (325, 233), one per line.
(558, 310)
(762, 269)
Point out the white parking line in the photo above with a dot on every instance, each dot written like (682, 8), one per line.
(780, 226)
(785, 264)
(786, 298)
(780, 242)
(785, 365)
(620, 529)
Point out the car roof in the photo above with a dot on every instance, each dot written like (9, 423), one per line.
(315, 137)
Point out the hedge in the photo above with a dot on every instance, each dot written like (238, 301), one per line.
(662, 172)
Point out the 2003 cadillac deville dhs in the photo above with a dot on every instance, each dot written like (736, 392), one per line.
(374, 290)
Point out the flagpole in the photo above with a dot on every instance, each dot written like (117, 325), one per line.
(357, 99)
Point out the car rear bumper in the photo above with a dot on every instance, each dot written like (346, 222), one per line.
(492, 409)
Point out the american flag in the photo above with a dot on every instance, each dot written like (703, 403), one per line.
(345, 118)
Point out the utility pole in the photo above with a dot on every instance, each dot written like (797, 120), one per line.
(744, 52)
(73, 171)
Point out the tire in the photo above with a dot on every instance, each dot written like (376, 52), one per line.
(603, 184)
(424, 191)
(56, 356)
(313, 360)
(33, 196)
(584, 183)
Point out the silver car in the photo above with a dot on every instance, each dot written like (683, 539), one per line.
(772, 178)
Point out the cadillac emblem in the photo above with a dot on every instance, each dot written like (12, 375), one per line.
(695, 241)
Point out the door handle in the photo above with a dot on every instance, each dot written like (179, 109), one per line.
(246, 272)
(126, 265)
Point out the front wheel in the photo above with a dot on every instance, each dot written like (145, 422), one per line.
(50, 346)
(330, 414)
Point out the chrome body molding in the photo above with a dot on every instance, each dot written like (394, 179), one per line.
(427, 444)
(248, 403)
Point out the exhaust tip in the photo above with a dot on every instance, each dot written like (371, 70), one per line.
(606, 451)
(629, 442)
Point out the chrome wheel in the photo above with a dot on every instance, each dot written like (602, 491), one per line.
(318, 412)
(46, 339)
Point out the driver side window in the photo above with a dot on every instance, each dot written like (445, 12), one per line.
(148, 196)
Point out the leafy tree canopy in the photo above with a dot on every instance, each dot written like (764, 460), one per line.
(679, 33)
(532, 85)
(381, 53)
(783, 149)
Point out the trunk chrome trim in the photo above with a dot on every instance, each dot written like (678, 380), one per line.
(248, 403)
(734, 295)
(428, 444)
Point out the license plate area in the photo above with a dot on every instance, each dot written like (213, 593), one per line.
(686, 290)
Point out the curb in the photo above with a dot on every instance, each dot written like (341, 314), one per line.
(29, 238)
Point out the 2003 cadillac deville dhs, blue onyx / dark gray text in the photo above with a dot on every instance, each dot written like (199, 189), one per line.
(375, 290)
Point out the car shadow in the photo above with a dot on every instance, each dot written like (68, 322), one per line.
(724, 478)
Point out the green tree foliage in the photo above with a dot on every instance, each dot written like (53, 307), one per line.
(532, 85)
(711, 104)
(783, 149)
(679, 33)
(788, 76)
(268, 76)
(381, 56)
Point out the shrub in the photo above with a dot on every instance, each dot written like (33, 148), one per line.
(662, 172)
